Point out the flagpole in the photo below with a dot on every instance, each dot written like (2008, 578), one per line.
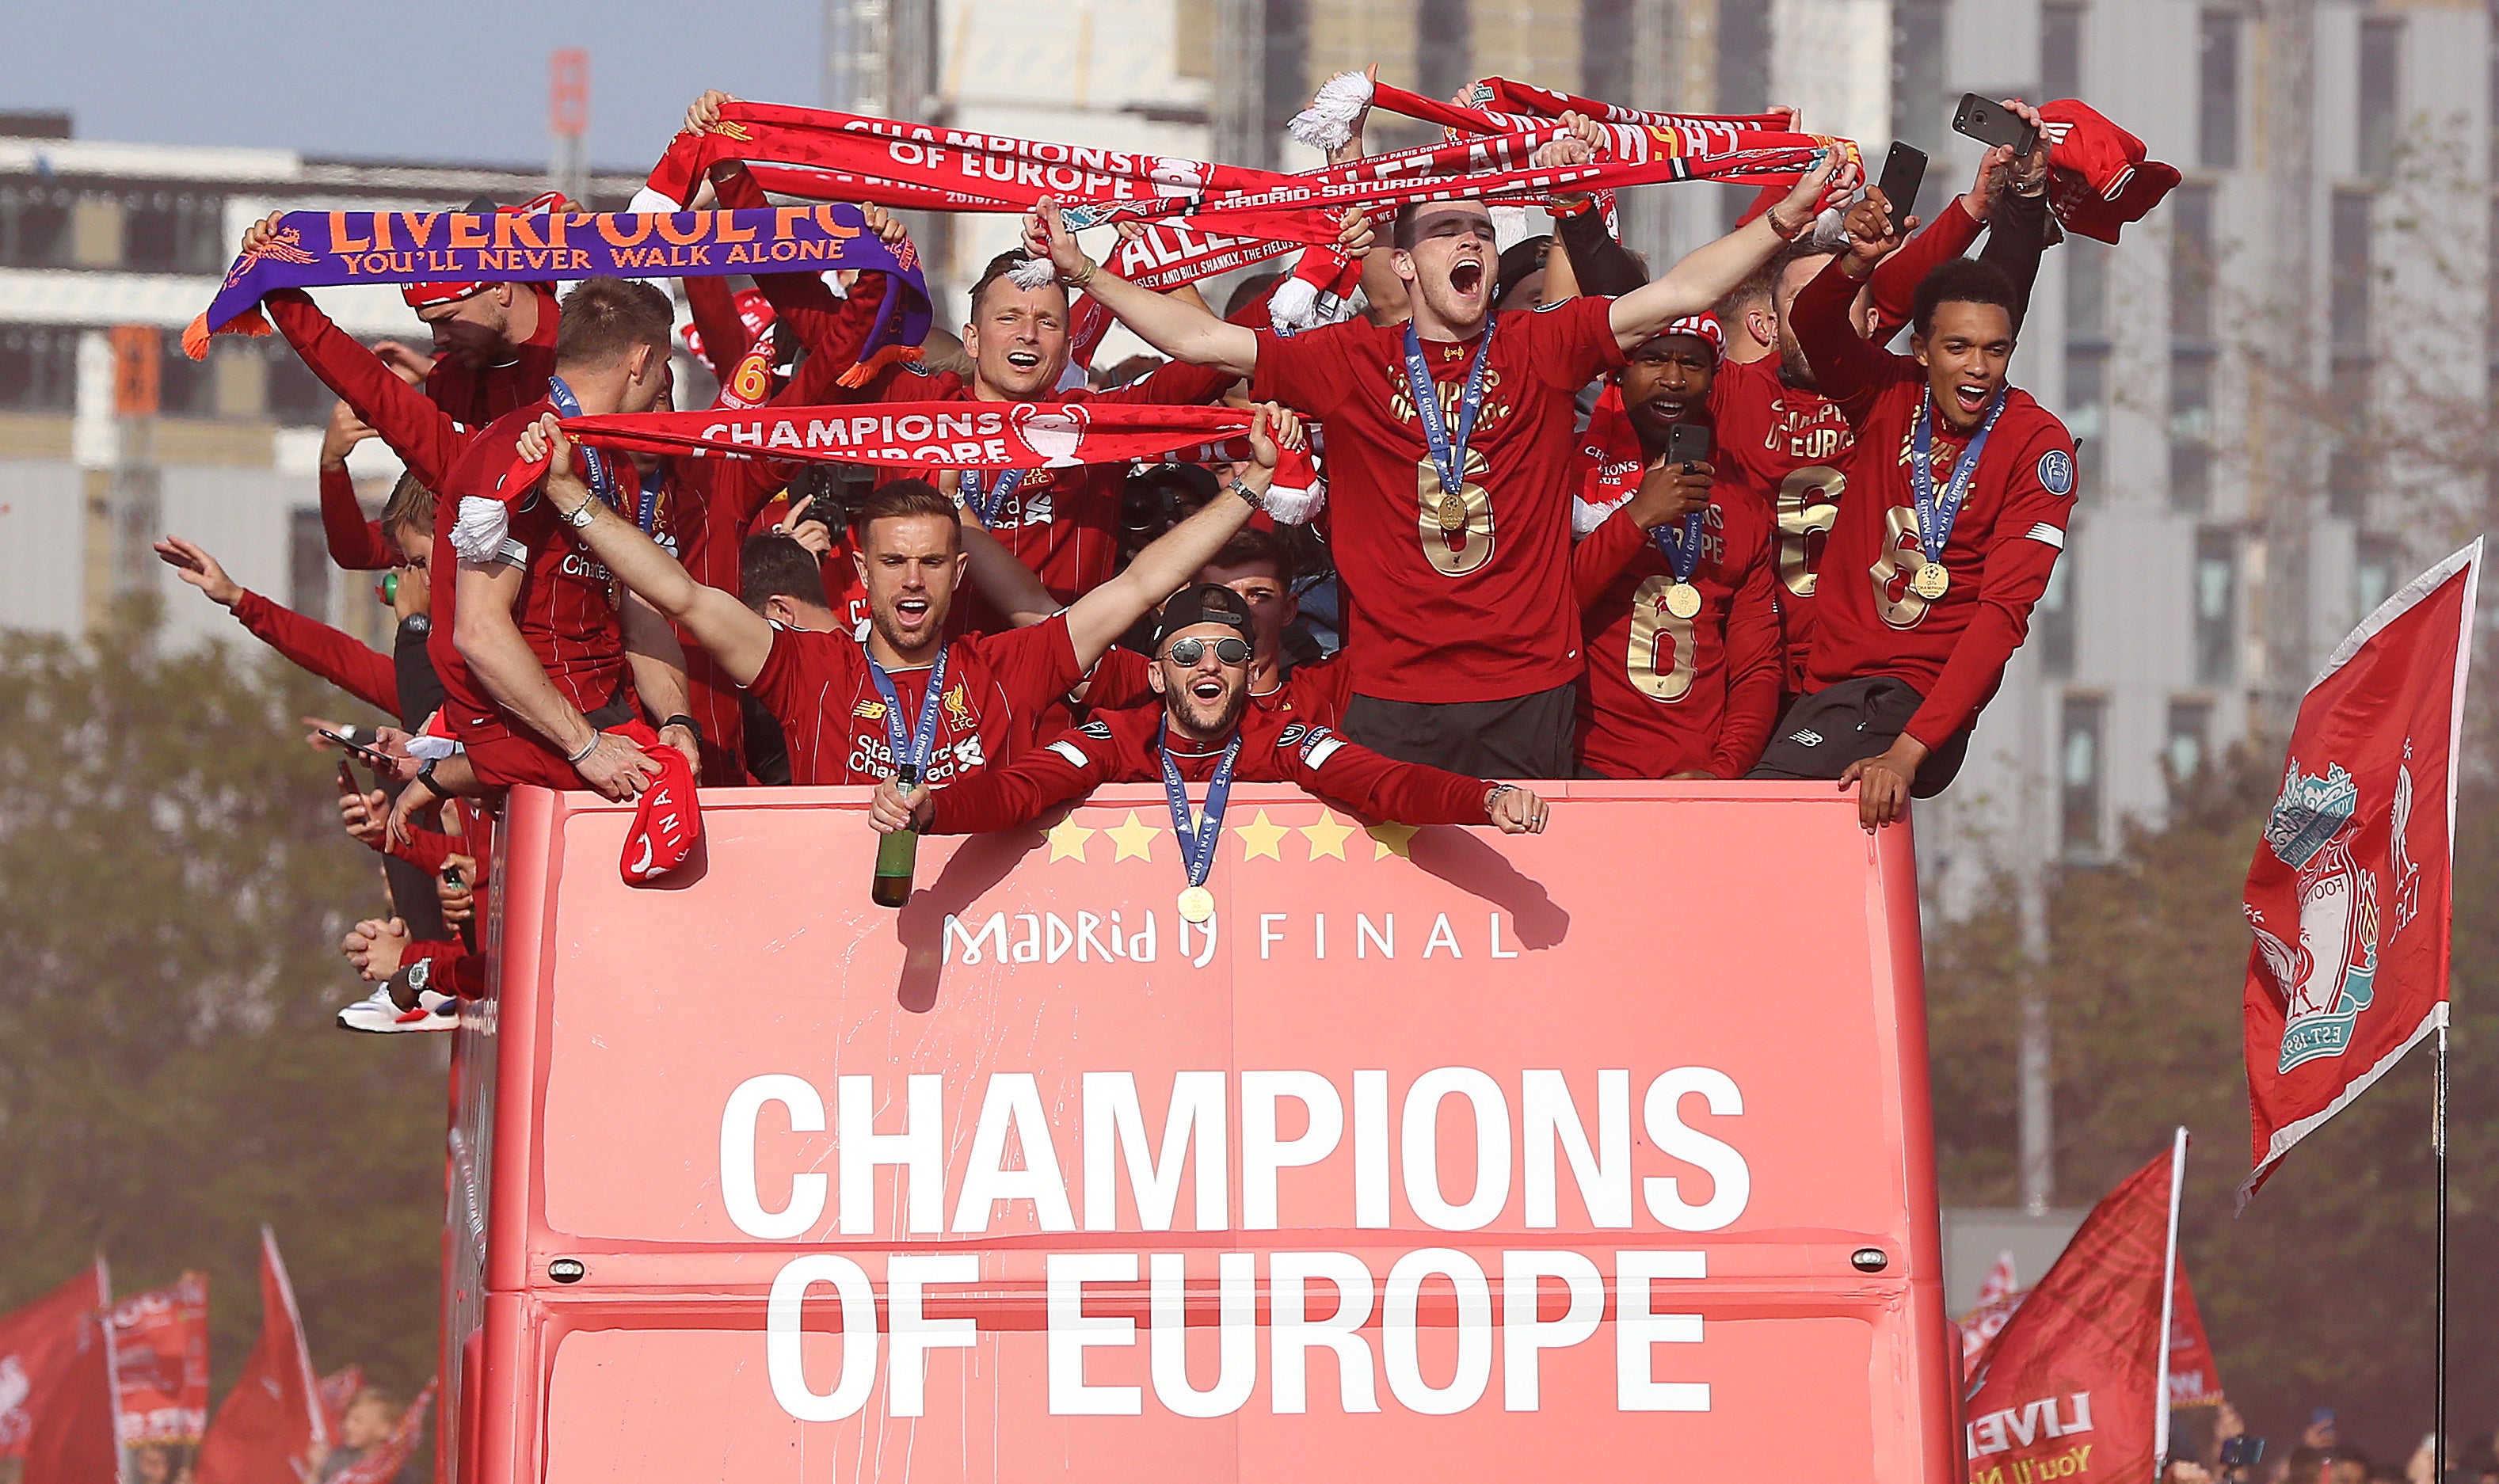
(2168, 1303)
(2438, 1148)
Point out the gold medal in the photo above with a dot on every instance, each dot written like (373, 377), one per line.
(1683, 601)
(1197, 905)
(1453, 513)
(1930, 581)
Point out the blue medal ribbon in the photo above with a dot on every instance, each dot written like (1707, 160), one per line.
(1449, 454)
(646, 513)
(910, 752)
(1682, 553)
(1198, 846)
(986, 499)
(1936, 516)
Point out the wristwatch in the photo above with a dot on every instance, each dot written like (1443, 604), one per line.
(425, 776)
(580, 519)
(686, 722)
(1242, 489)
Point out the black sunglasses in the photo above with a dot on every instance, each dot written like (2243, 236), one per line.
(1185, 653)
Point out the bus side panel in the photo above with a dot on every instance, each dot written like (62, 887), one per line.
(1714, 990)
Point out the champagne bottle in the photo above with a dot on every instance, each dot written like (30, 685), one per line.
(896, 853)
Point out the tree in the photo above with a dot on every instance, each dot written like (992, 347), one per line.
(173, 887)
(2321, 1294)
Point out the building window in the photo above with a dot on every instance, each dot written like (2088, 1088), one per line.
(2190, 429)
(2373, 574)
(1918, 60)
(1606, 47)
(308, 564)
(2217, 608)
(298, 399)
(2086, 288)
(1442, 50)
(34, 227)
(2350, 395)
(38, 368)
(173, 232)
(2191, 731)
(188, 387)
(1289, 84)
(2053, 619)
(2061, 49)
(1743, 78)
(2217, 76)
(2087, 411)
(2079, 770)
(2382, 44)
(2350, 275)
(2192, 257)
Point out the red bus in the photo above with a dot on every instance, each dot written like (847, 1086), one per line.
(1436, 1153)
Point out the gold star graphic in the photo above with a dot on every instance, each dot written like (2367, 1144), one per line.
(1259, 838)
(1067, 840)
(1328, 836)
(1388, 839)
(1135, 839)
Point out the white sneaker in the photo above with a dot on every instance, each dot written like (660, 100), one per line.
(375, 1013)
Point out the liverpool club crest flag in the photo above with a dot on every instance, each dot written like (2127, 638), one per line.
(2347, 897)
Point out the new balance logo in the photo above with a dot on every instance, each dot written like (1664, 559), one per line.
(1805, 739)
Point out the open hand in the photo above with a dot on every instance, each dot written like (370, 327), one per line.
(194, 565)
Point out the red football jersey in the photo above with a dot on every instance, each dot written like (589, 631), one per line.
(1479, 612)
(476, 397)
(567, 608)
(819, 688)
(1666, 694)
(1122, 747)
(714, 502)
(2002, 546)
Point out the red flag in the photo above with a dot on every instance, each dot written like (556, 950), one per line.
(2075, 1386)
(336, 1389)
(37, 1343)
(1998, 1295)
(381, 1463)
(2349, 895)
(272, 1417)
(160, 1363)
(2194, 1380)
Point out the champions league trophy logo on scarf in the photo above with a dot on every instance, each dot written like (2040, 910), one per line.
(2328, 978)
(1049, 431)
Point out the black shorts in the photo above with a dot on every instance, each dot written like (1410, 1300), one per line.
(1820, 734)
(1524, 736)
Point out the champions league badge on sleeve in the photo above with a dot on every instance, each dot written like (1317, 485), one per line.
(2326, 976)
(2056, 471)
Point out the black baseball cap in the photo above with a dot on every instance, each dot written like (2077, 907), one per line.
(1205, 604)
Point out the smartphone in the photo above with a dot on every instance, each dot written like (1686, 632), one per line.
(1904, 170)
(1990, 122)
(1687, 443)
(348, 780)
(2242, 1452)
(371, 758)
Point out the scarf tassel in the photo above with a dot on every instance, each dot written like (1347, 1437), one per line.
(195, 334)
(864, 371)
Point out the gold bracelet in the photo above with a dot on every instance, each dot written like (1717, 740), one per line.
(1782, 232)
(1086, 276)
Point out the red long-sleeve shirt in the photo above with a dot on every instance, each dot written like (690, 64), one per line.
(1791, 442)
(1121, 747)
(340, 659)
(2001, 548)
(356, 542)
(1661, 694)
(425, 437)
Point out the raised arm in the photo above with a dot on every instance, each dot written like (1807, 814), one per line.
(1010, 588)
(1709, 271)
(356, 541)
(1179, 329)
(1847, 368)
(1096, 620)
(735, 635)
(352, 665)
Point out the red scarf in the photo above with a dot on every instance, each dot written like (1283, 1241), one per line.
(1611, 462)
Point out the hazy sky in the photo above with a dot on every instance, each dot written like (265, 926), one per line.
(442, 80)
